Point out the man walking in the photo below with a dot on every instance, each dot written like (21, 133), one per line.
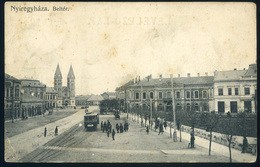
(192, 138)
(108, 133)
(245, 144)
(56, 131)
(101, 125)
(147, 129)
(113, 134)
(45, 132)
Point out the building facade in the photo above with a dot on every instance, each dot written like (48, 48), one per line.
(51, 98)
(236, 90)
(12, 97)
(233, 91)
(66, 94)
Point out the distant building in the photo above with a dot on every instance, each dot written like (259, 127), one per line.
(82, 100)
(236, 90)
(94, 100)
(12, 97)
(66, 94)
(109, 95)
(51, 98)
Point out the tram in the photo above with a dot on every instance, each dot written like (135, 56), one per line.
(91, 120)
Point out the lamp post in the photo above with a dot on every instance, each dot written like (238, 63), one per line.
(173, 110)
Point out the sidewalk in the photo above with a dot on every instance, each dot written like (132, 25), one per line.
(215, 147)
(20, 145)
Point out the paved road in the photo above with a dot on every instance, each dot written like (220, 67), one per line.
(77, 145)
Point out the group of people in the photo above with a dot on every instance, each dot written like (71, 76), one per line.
(107, 126)
(55, 131)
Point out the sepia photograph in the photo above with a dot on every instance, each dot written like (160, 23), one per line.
(130, 82)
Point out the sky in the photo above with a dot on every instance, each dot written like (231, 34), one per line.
(109, 44)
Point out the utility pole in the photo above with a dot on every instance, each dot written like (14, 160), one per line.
(126, 105)
(173, 110)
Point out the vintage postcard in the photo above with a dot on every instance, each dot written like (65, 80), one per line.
(130, 82)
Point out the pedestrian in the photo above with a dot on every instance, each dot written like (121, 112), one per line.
(45, 132)
(104, 126)
(147, 129)
(56, 131)
(110, 127)
(160, 129)
(245, 144)
(127, 126)
(117, 127)
(192, 138)
(101, 125)
(107, 133)
(165, 125)
(113, 134)
(121, 128)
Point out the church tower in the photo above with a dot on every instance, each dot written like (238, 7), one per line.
(71, 86)
(58, 85)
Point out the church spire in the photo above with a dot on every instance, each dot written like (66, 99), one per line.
(71, 73)
(58, 72)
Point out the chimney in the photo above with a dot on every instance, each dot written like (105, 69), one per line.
(188, 74)
(160, 79)
(244, 69)
(179, 75)
(198, 74)
(235, 69)
(206, 73)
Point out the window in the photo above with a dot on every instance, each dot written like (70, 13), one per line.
(233, 107)
(220, 91)
(188, 106)
(205, 107)
(11, 93)
(204, 94)
(144, 95)
(196, 94)
(196, 107)
(160, 95)
(17, 91)
(151, 95)
(229, 91)
(136, 95)
(247, 91)
(7, 91)
(188, 94)
(236, 91)
(221, 107)
(247, 107)
(178, 95)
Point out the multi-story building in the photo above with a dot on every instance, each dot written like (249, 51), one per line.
(225, 91)
(82, 100)
(66, 94)
(33, 94)
(12, 98)
(51, 97)
(236, 90)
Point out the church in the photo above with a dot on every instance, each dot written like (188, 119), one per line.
(66, 94)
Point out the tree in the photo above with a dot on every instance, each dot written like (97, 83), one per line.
(209, 121)
(228, 130)
(180, 116)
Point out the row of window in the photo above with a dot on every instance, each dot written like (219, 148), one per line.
(10, 92)
(50, 97)
(178, 95)
(220, 91)
(233, 106)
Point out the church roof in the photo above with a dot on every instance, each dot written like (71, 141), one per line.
(71, 73)
(58, 72)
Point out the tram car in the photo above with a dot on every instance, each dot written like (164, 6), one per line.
(91, 120)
